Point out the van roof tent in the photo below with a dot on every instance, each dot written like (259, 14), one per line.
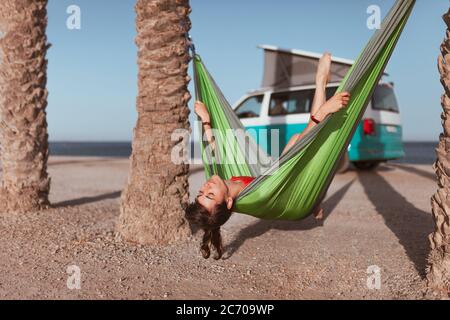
(284, 68)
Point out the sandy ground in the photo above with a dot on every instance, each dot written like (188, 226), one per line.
(379, 218)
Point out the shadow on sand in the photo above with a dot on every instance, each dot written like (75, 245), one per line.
(409, 224)
(86, 200)
(259, 228)
(413, 170)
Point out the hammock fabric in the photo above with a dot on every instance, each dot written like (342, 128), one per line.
(293, 186)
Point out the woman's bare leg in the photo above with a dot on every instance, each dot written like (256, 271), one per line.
(320, 97)
(322, 77)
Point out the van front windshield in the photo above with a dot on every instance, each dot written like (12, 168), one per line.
(250, 108)
(384, 99)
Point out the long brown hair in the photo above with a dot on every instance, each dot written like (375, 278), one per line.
(210, 223)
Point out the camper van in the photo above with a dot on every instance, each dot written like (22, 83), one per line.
(285, 99)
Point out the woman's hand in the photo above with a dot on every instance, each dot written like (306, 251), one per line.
(337, 102)
(201, 111)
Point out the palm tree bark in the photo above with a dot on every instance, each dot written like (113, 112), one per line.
(152, 210)
(438, 271)
(23, 99)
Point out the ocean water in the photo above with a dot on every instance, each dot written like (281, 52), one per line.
(419, 153)
(416, 152)
(91, 149)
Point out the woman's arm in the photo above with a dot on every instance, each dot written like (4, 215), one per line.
(333, 105)
(202, 112)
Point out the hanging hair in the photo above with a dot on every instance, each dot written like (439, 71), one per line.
(210, 223)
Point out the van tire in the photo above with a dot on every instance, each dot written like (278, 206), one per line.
(344, 164)
(366, 165)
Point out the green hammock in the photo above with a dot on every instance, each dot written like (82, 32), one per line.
(295, 184)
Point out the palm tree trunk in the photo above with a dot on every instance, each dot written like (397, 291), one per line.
(157, 191)
(438, 273)
(23, 99)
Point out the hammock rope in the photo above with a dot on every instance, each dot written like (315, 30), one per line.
(292, 186)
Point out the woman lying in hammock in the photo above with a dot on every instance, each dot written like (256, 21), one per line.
(214, 202)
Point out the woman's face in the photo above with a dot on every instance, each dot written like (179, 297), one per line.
(212, 193)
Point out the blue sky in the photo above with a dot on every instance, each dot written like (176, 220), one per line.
(92, 74)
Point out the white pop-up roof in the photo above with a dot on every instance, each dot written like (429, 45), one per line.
(284, 68)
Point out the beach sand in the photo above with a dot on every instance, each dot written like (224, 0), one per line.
(379, 218)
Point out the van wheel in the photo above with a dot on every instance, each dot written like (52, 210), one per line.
(366, 165)
(344, 164)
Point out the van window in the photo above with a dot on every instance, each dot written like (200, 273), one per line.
(294, 102)
(330, 91)
(384, 99)
(250, 108)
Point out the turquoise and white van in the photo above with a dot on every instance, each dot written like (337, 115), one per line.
(284, 106)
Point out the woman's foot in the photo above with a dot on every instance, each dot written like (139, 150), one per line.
(323, 69)
(318, 214)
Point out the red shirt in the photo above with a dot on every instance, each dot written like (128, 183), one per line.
(244, 179)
